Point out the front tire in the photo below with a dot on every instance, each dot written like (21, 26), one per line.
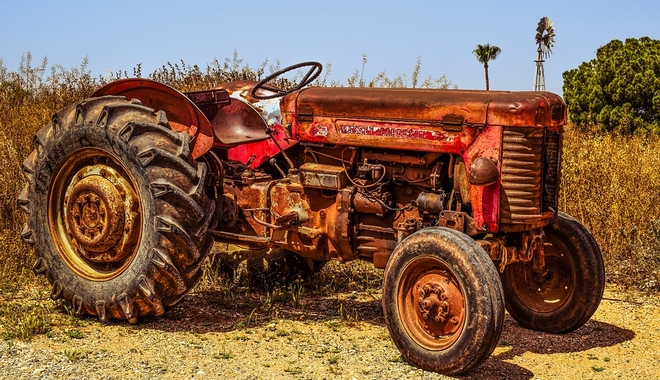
(442, 301)
(116, 207)
(569, 294)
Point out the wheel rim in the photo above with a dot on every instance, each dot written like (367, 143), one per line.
(94, 214)
(544, 293)
(431, 304)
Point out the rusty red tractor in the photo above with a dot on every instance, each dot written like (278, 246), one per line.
(454, 193)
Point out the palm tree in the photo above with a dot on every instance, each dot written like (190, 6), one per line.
(485, 53)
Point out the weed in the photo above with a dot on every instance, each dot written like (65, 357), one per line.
(347, 315)
(335, 370)
(75, 355)
(224, 354)
(358, 276)
(239, 325)
(395, 359)
(252, 318)
(293, 371)
(333, 324)
(333, 359)
(23, 321)
(296, 292)
(74, 334)
(597, 369)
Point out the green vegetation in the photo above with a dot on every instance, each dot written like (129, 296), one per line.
(619, 90)
(24, 320)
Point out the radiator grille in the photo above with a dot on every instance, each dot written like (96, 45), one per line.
(551, 171)
(522, 174)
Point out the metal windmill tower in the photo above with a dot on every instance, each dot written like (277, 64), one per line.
(545, 38)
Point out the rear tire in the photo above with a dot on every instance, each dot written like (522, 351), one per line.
(570, 293)
(442, 301)
(116, 207)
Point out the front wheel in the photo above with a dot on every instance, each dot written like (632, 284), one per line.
(442, 301)
(565, 297)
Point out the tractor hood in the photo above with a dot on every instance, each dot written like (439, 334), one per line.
(391, 117)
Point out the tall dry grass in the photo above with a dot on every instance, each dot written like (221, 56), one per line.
(29, 98)
(609, 182)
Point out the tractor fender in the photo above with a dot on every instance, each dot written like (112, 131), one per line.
(183, 115)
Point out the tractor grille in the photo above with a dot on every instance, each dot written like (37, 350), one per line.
(522, 170)
(551, 175)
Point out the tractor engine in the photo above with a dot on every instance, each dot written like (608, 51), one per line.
(340, 203)
(347, 174)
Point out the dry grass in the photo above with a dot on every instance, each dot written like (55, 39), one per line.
(609, 182)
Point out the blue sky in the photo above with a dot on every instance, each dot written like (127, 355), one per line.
(117, 35)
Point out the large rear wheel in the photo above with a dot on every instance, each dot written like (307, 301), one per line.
(116, 207)
(442, 301)
(568, 294)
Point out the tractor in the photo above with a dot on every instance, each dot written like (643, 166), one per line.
(453, 193)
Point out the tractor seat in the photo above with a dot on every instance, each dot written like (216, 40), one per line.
(239, 123)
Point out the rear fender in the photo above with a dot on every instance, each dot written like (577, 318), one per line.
(183, 115)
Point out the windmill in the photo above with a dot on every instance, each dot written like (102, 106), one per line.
(545, 38)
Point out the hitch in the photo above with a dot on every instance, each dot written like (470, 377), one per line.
(529, 248)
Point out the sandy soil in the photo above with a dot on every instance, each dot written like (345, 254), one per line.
(249, 336)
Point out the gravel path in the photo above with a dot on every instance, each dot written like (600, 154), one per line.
(219, 336)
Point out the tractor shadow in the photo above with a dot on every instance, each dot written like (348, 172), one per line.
(216, 311)
(516, 341)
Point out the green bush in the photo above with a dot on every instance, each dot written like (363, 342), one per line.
(619, 90)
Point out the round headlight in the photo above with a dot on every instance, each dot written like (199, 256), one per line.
(483, 172)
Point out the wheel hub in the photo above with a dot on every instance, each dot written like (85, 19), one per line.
(433, 302)
(100, 214)
(440, 305)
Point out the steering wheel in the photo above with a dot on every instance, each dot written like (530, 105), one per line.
(313, 73)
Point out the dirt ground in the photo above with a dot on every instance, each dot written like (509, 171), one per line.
(215, 335)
